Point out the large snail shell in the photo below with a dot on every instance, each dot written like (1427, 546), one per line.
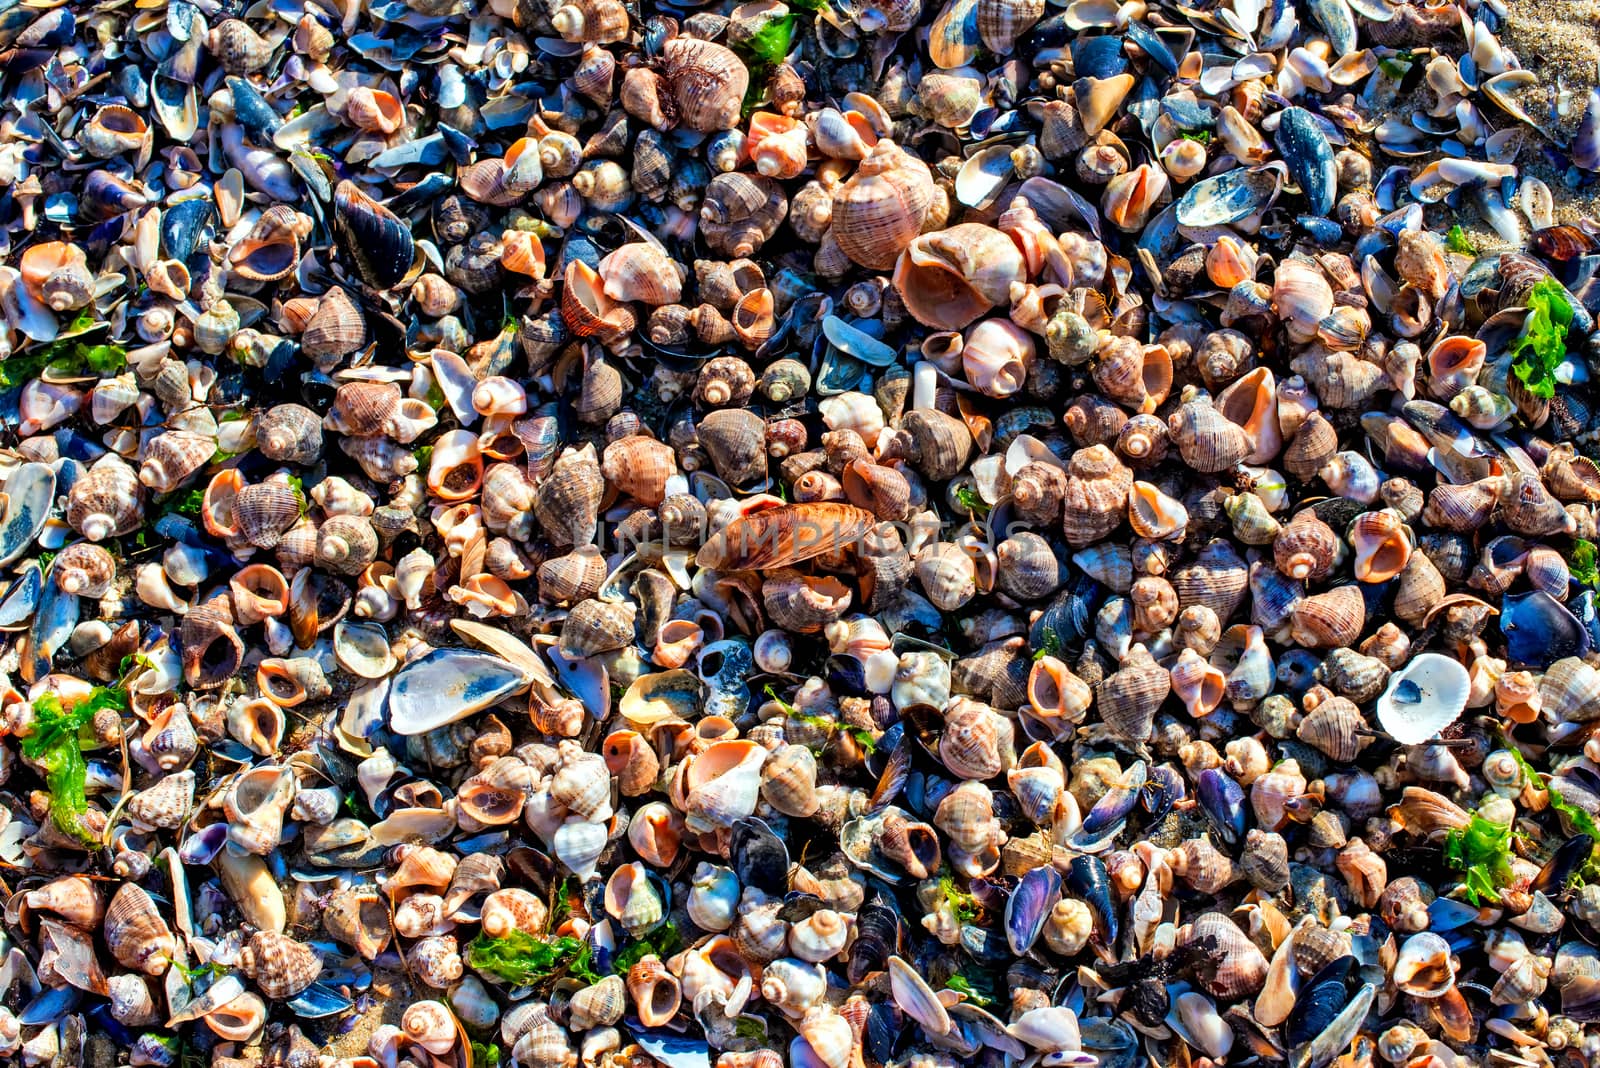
(708, 83)
(882, 206)
(950, 277)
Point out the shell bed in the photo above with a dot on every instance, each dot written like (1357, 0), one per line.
(806, 534)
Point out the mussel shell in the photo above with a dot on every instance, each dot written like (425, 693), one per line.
(1540, 630)
(1028, 907)
(1222, 800)
(372, 237)
(760, 858)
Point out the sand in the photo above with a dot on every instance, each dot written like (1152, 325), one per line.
(1559, 41)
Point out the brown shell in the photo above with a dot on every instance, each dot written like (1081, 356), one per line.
(639, 467)
(280, 966)
(736, 441)
(1206, 439)
(290, 433)
(1240, 968)
(1217, 578)
(1095, 496)
(803, 603)
(939, 444)
(1333, 727)
(1330, 619)
(597, 627)
(266, 510)
(212, 649)
(882, 206)
(1129, 698)
(107, 501)
(1313, 445)
(336, 329)
(567, 503)
(783, 536)
(708, 83)
(170, 458)
(362, 409)
(135, 932)
(1305, 548)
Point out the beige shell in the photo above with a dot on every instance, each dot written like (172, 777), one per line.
(641, 271)
(1095, 497)
(135, 932)
(1243, 967)
(280, 966)
(238, 48)
(1001, 22)
(882, 206)
(950, 277)
(170, 458)
(708, 83)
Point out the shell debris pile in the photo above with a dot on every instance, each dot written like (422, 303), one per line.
(812, 533)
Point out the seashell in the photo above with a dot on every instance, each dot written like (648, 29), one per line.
(1002, 22)
(107, 501)
(238, 48)
(1331, 619)
(290, 433)
(170, 458)
(135, 932)
(1423, 698)
(431, 1025)
(949, 278)
(1424, 967)
(655, 991)
(707, 81)
(280, 966)
(1206, 439)
(789, 781)
(881, 207)
(1095, 495)
(643, 272)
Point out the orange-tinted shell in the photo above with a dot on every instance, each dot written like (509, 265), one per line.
(882, 207)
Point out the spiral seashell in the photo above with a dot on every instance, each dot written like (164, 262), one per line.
(656, 992)
(238, 48)
(708, 83)
(431, 1025)
(949, 278)
(881, 207)
(135, 932)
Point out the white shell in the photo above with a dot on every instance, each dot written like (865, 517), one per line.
(1443, 685)
(445, 685)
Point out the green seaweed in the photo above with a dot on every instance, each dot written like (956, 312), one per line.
(963, 904)
(1582, 561)
(962, 985)
(1482, 852)
(65, 357)
(1537, 353)
(300, 497)
(56, 748)
(1050, 644)
(485, 1055)
(187, 503)
(663, 942)
(971, 501)
(522, 959)
(1458, 241)
(762, 51)
(750, 1027)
